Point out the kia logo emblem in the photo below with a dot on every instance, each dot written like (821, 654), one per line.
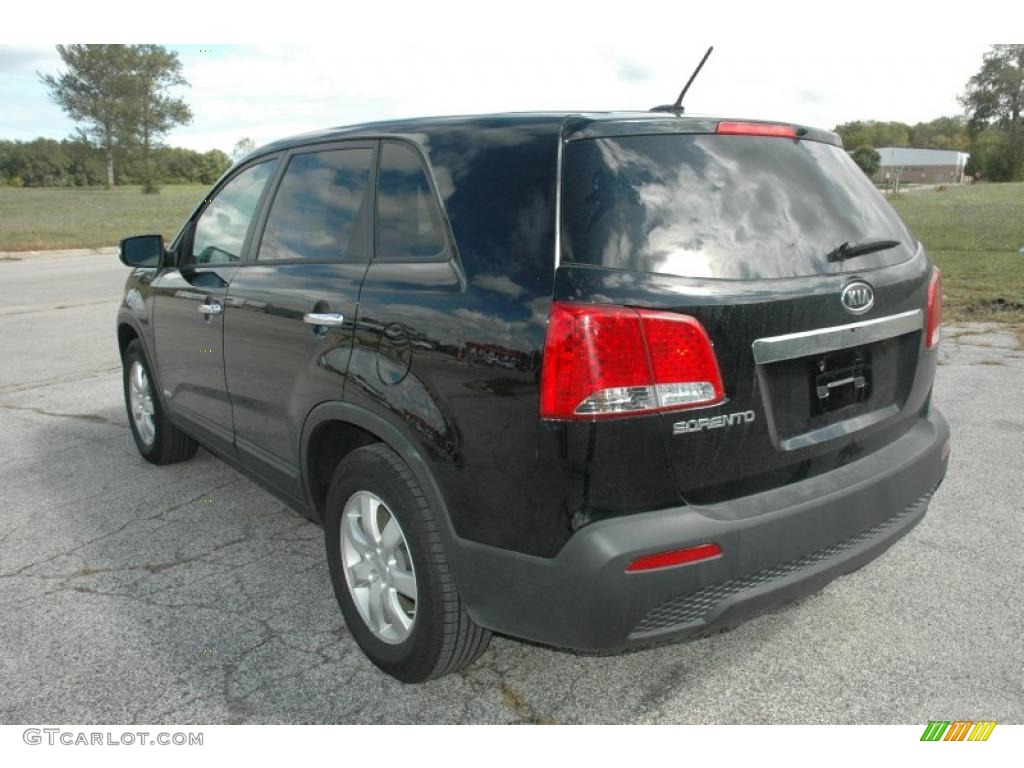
(858, 297)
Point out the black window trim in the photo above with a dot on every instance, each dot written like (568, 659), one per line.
(257, 226)
(449, 252)
(307, 149)
(184, 239)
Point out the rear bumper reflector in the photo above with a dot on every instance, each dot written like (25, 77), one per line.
(674, 557)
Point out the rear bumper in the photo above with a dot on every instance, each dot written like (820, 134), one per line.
(776, 546)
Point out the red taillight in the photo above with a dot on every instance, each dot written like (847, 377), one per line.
(756, 129)
(675, 557)
(602, 361)
(934, 309)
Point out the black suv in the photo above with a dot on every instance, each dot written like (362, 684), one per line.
(592, 380)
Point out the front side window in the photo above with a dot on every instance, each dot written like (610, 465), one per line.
(321, 208)
(221, 229)
(409, 223)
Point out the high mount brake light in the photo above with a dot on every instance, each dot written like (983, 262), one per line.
(604, 361)
(756, 129)
(934, 309)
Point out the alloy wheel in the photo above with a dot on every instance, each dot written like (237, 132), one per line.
(378, 567)
(141, 398)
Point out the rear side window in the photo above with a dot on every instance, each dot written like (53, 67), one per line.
(321, 208)
(409, 222)
(222, 226)
(730, 207)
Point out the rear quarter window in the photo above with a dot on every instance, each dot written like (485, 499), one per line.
(727, 207)
(409, 222)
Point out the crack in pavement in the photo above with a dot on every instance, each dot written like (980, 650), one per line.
(90, 570)
(67, 553)
(88, 441)
(236, 699)
(516, 702)
(90, 417)
(29, 309)
(512, 698)
(57, 380)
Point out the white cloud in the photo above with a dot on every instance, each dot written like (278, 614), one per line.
(499, 284)
(539, 57)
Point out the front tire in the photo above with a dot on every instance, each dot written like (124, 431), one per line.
(158, 441)
(390, 575)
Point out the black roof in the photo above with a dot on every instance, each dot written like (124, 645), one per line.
(574, 125)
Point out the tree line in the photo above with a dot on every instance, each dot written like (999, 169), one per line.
(987, 147)
(77, 163)
(991, 130)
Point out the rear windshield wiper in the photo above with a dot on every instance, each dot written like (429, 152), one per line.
(850, 250)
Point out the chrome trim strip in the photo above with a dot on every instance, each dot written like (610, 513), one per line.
(839, 429)
(792, 345)
(558, 197)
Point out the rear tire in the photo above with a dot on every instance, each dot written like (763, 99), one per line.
(158, 441)
(417, 639)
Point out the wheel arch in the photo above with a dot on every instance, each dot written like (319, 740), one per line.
(357, 426)
(126, 334)
(129, 328)
(467, 559)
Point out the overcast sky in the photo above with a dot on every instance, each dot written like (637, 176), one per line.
(269, 91)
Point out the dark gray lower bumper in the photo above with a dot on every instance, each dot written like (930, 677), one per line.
(776, 546)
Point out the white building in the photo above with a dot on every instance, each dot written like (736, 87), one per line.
(922, 166)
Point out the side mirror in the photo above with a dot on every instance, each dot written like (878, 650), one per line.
(143, 251)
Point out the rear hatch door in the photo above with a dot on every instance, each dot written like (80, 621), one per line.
(821, 357)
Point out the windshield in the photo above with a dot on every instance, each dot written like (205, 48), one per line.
(728, 207)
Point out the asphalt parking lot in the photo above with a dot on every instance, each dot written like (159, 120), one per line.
(187, 594)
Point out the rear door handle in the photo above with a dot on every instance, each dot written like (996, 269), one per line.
(326, 319)
(210, 309)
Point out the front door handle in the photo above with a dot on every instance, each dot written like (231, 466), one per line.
(325, 319)
(210, 309)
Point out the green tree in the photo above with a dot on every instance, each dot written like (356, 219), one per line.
(37, 163)
(85, 167)
(242, 148)
(867, 158)
(990, 156)
(942, 133)
(994, 100)
(94, 90)
(214, 163)
(7, 149)
(74, 162)
(178, 166)
(151, 110)
(852, 133)
(874, 133)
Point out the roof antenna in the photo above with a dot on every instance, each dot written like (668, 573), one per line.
(677, 108)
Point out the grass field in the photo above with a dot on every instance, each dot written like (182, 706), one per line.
(69, 217)
(973, 234)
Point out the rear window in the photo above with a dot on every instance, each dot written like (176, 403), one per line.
(727, 207)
